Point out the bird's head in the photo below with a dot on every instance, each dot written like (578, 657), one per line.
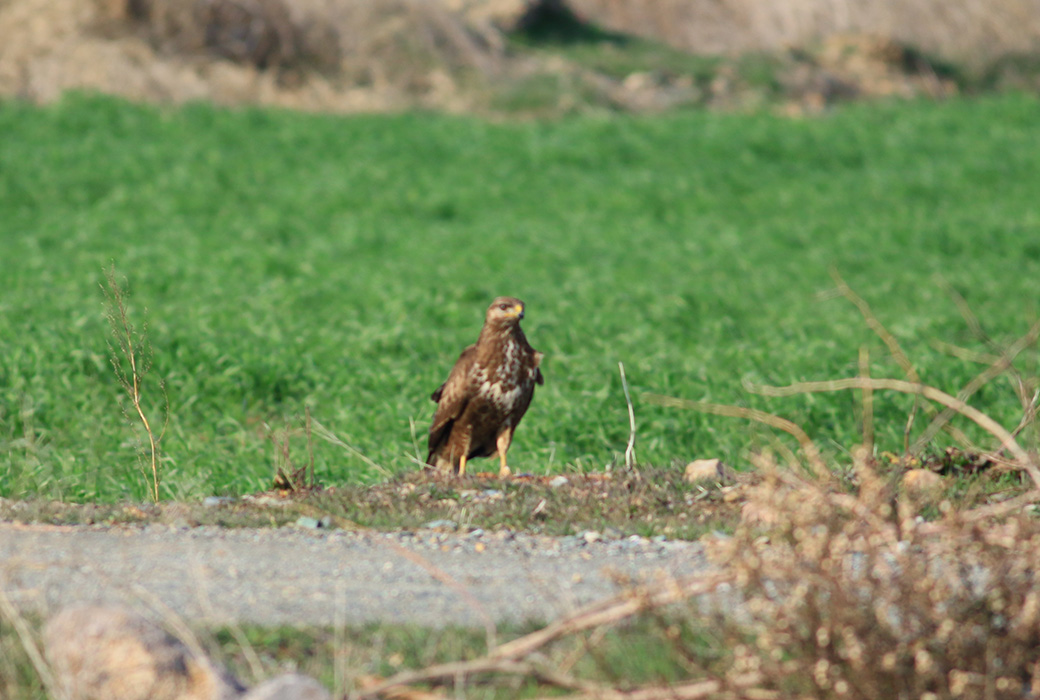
(505, 311)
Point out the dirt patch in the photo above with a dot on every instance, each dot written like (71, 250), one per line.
(650, 502)
(455, 56)
(973, 30)
(312, 54)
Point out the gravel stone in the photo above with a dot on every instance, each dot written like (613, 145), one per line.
(299, 576)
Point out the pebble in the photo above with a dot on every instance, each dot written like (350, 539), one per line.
(309, 523)
(558, 481)
(214, 501)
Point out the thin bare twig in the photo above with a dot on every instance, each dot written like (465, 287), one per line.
(996, 510)
(1001, 364)
(966, 354)
(310, 443)
(448, 580)
(812, 454)
(612, 610)
(630, 450)
(328, 436)
(890, 342)
(1007, 440)
(456, 670)
(202, 588)
(508, 658)
(868, 402)
(679, 691)
(875, 325)
(975, 326)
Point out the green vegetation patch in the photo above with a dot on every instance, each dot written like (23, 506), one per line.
(350, 659)
(283, 264)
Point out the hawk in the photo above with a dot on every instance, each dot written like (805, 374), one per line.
(486, 393)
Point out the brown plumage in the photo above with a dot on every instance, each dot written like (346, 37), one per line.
(486, 393)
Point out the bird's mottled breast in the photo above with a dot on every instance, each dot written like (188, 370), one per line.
(504, 377)
(509, 368)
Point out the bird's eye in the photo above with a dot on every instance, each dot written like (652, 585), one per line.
(503, 306)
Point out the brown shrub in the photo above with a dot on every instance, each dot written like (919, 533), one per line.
(255, 32)
(369, 39)
(855, 597)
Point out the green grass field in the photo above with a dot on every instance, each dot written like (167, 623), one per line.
(283, 261)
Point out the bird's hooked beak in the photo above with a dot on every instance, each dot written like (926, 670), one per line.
(519, 310)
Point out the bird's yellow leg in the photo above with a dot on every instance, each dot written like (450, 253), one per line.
(463, 448)
(503, 443)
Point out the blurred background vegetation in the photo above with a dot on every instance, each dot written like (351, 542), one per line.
(534, 57)
(638, 173)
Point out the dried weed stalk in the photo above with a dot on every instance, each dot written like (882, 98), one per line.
(630, 449)
(131, 358)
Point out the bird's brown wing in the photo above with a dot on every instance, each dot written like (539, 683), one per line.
(452, 397)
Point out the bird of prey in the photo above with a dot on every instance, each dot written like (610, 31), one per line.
(486, 393)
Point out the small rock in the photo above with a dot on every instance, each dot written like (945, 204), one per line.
(307, 522)
(707, 470)
(267, 499)
(557, 482)
(214, 501)
(923, 485)
(591, 536)
(292, 686)
(753, 513)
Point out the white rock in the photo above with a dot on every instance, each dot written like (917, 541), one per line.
(291, 686)
(923, 485)
(707, 470)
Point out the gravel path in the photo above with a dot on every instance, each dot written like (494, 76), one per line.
(295, 576)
